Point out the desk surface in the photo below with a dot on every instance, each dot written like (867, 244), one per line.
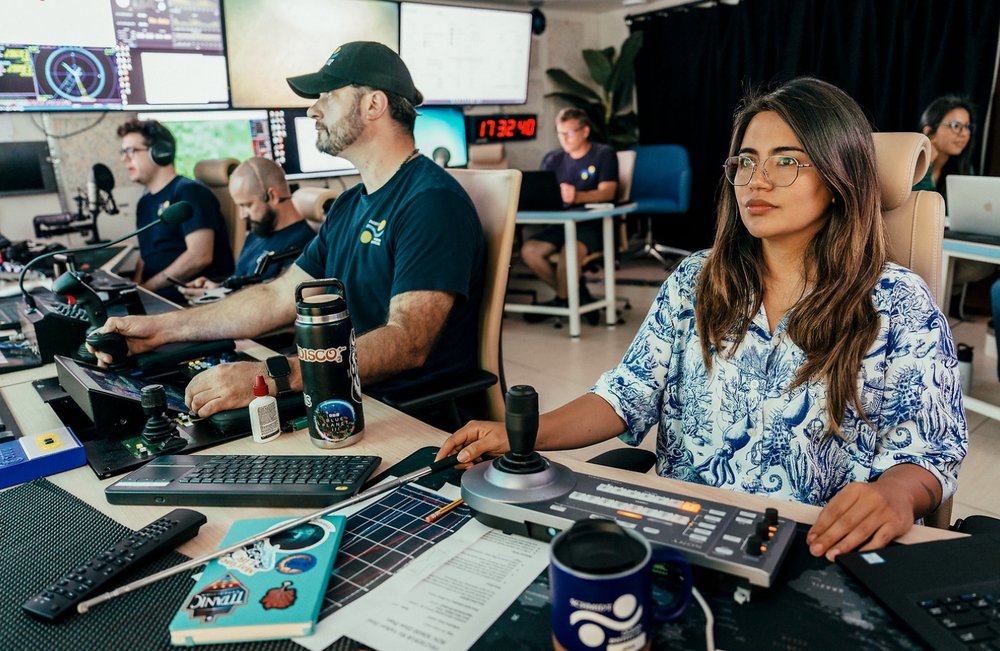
(574, 214)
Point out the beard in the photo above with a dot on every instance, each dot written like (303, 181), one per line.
(265, 226)
(344, 133)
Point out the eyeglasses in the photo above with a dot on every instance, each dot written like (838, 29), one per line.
(780, 170)
(129, 152)
(568, 133)
(958, 127)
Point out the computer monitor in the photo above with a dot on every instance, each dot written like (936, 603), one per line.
(464, 55)
(101, 55)
(270, 40)
(442, 127)
(25, 168)
(293, 141)
(202, 135)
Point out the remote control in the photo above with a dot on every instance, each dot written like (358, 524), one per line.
(82, 582)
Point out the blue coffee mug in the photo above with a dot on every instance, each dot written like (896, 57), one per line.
(601, 587)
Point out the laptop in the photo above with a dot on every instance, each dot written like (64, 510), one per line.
(974, 204)
(946, 591)
(540, 191)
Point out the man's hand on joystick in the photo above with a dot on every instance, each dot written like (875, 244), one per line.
(109, 347)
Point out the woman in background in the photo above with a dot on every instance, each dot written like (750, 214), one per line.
(793, 360)
(948, 122)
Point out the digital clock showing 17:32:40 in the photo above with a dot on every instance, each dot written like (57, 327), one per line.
(503, 128)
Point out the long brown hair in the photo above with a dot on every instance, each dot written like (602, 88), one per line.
(836, 323)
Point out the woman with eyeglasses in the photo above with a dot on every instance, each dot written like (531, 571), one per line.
(948, 123)
(793, 360)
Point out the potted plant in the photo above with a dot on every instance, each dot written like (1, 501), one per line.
(610, 107)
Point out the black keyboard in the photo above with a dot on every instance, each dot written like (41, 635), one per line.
(972, 616)
(9, 314)
(245, 480)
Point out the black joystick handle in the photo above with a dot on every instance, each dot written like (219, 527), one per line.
(159, 430)
(522, 430)
(111, 343)
(522, 419)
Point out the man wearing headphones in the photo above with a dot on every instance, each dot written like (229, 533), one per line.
(197, 246)
(260, 191)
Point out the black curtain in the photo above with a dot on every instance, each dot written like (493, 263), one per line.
(892, 56)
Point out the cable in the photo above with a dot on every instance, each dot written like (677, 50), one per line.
(709, 620)
(41, 127)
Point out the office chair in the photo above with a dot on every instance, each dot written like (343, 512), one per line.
(215, 173)
(313, 202)
(490, 156)
(914, 224)
(661, 184)
(494, 193)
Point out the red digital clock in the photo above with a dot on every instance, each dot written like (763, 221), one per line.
(502, 128)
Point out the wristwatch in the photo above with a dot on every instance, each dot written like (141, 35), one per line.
(278, 370)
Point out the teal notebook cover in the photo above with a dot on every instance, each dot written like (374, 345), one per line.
(271, 590)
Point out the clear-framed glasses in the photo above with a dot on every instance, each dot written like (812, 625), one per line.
(958, 127)
(129, 152)
(568, 133)
(780, 170)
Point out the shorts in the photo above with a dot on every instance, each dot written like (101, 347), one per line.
(588, 233)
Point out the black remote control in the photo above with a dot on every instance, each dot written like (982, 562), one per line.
(82, 582)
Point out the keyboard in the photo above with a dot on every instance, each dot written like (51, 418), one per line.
(9, 314)
(245, 480)
(971, 616)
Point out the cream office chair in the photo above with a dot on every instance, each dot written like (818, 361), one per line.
(490, 156)
(914, 223)
(494, 193)
(215, 173)
(313, 202)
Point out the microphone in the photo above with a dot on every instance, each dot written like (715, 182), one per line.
(173, 214)
(92, 193)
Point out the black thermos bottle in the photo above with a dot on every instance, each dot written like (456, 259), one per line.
(331, 386)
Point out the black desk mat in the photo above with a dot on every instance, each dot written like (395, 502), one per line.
(45, 530)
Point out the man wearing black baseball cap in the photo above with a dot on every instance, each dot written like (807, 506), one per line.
(406, 242)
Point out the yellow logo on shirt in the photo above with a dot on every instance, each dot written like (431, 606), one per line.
(372, 234)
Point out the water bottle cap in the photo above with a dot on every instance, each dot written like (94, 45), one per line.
(260, 387)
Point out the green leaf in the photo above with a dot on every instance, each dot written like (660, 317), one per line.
(562, 78)
(623, 73)
(599, 65)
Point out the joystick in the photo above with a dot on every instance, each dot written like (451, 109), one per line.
(159, 433)
(521, 475)
(112, 343)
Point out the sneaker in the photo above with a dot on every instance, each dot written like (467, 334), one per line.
(531, 317)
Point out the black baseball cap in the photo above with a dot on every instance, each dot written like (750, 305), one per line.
(359, 63)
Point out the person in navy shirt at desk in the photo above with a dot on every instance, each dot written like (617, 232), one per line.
(587, 173)
(260, 190)
(197, 246)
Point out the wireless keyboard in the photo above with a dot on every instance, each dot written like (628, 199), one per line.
(244, 480)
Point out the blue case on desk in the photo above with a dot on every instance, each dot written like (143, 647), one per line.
(37, 455)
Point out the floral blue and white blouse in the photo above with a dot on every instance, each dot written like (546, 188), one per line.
(741, 426)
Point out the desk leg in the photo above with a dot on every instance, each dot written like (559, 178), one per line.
(572, 278)
(610, 308)
(944, 292)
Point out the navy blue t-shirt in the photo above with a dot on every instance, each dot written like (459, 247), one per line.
(418, 232)
(599, 164)
(290, 238)
(163, 243)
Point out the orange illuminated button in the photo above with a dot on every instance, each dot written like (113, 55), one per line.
(690, 507)
(629, 514)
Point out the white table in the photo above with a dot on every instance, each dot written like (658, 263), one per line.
(569, 220)
(965, 250)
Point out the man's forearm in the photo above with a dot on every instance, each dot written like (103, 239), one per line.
(185, 267)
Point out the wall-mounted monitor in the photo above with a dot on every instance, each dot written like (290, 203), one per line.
(202, 135)
(293, 140)
(112, 55)
(270, 40)
(463, 55)
(442, 127)
(25, 168)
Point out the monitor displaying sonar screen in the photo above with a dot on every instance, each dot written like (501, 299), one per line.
(440, 134)
(203, 135)
(107, 55)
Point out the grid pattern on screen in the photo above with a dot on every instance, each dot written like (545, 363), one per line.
(382, 538)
